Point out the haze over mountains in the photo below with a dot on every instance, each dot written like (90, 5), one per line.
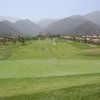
(21, 27)
(73, 25)
(27, 27)
(46, 22)
(94, 17)
(76, 24)
(7, 29)
(11, 19)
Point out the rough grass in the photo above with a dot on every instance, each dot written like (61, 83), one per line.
(10, 87)
(85, 92)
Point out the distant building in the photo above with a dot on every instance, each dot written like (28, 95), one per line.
(1, 39)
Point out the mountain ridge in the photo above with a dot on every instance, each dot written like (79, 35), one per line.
(76, 24)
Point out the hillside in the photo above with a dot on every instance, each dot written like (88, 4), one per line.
(94, 17)
(86, 28)
(7, 29)
(67, 25)
(28, 27)
(23, 28)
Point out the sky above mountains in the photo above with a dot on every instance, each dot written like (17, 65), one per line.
(50, 9)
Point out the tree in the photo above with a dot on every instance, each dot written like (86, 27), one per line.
(14, 40)
(23, 40)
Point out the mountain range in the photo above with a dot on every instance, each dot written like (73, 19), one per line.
(27, 27)
(76, 24)
(73, 25)
(94, 17)
(21, 27)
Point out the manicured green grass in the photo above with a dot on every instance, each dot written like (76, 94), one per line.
(45, 68)
(41, 71)
(45, 50)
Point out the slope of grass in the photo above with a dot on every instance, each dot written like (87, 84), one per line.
(10, 87)
(85, 92)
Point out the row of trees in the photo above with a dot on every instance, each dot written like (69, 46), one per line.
(23, 40)
(20, 39)
(6, 41)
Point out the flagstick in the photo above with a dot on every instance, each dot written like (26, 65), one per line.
(57, 53)
(55, 43)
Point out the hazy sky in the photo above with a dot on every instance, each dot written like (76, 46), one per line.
(51, 9)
